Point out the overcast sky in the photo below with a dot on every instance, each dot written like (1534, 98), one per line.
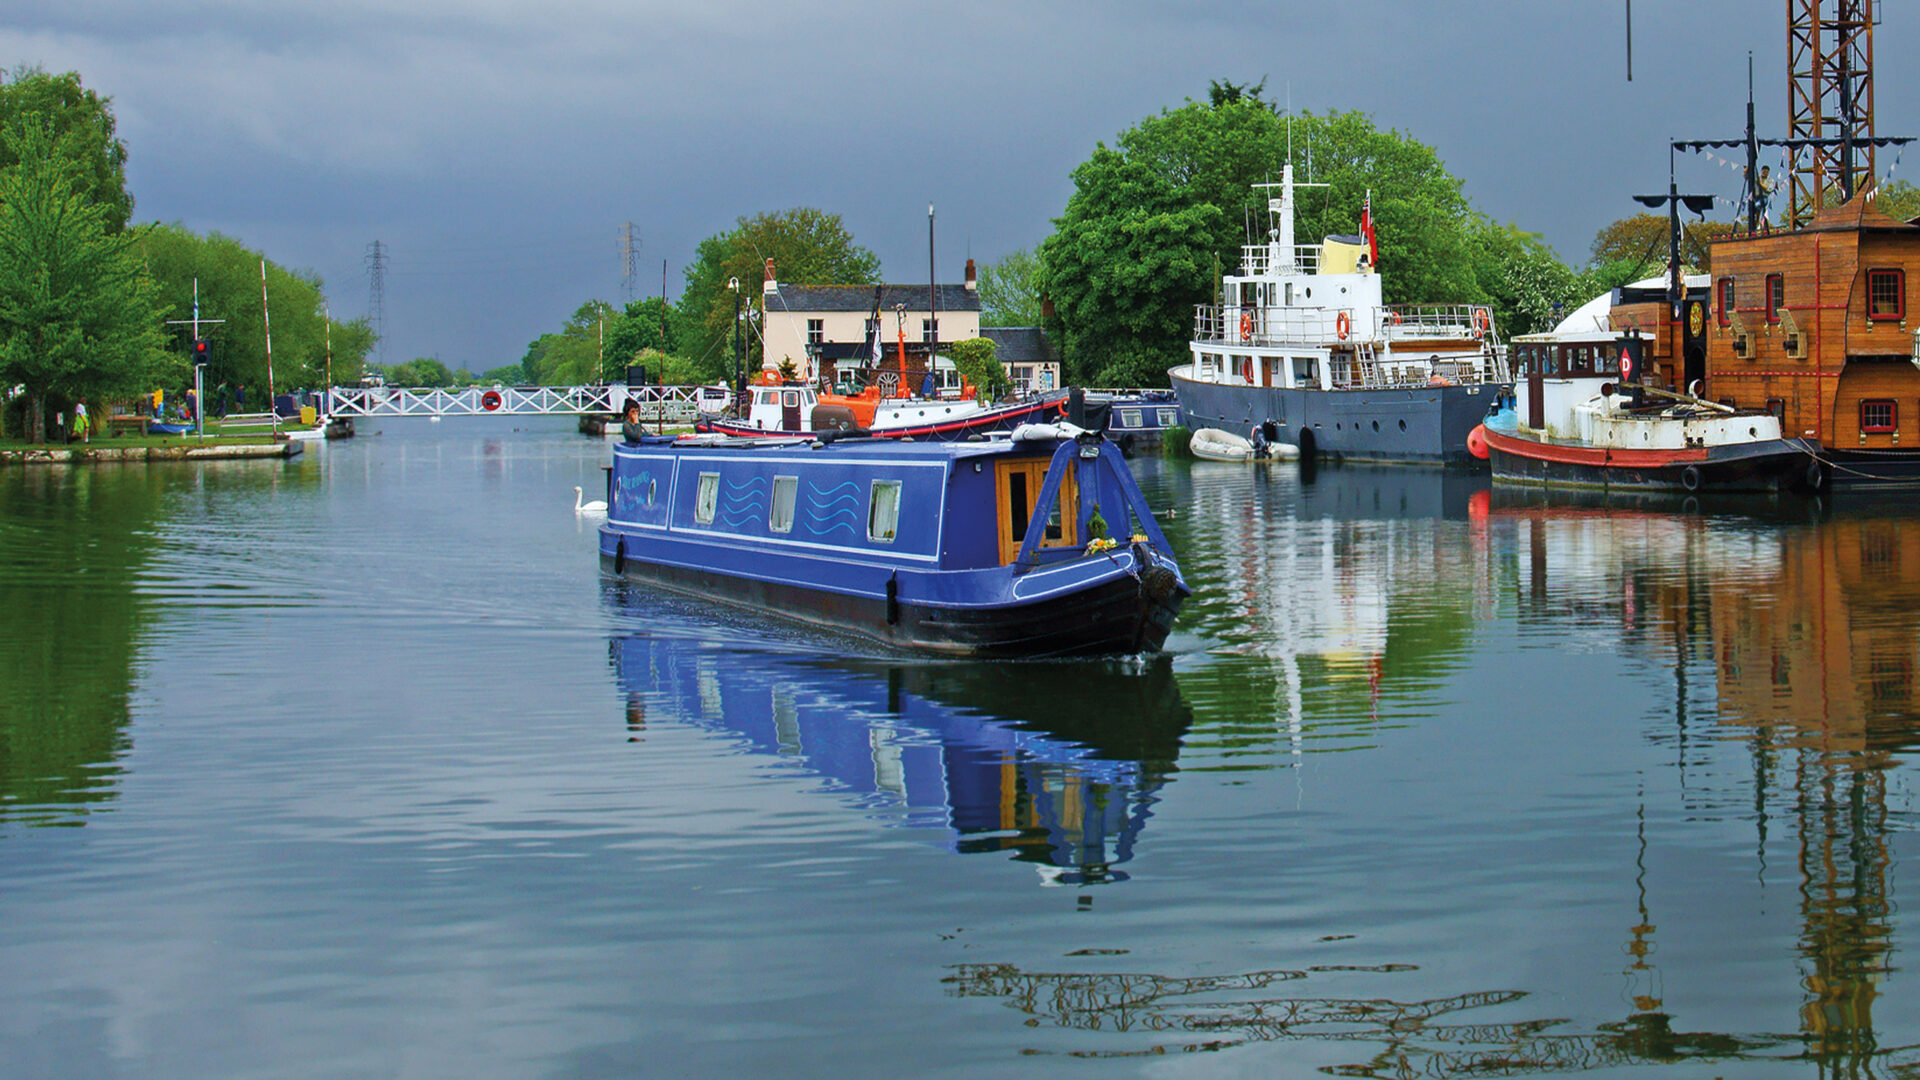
(497, 147)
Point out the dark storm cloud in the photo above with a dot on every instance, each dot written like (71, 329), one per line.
(496, 148)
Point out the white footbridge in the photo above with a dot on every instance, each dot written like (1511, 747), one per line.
(669, 403)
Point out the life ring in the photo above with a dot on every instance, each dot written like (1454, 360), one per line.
(490, 400)
(1690, 478)
(1342, 325)
(1246, 326)
(1393, 318)
(1246, 368)
(1482, 322)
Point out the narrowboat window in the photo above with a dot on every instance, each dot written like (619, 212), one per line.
(780, 518)
(883, 510)
(1879, 415)
(1129, 418)
(1886, 294)
(1725, 302)
(706, 498)
(1776, 296)
(1169, 417)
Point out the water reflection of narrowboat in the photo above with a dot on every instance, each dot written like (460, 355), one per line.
(1036, 545)
(981, 758)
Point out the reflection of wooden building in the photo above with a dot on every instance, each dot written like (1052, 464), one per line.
(1813, 325)
(1828, 644)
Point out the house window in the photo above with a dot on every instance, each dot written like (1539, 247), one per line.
(780, 518)
(1776, 296)
(816, 331)
(929, 330)
(1886, 294)
(1725, 305)
(706, 498)
(1879, 415)
(883, 510)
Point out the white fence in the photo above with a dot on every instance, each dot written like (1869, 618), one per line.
(674, 403)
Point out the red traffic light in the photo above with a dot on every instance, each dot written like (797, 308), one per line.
(202, 351)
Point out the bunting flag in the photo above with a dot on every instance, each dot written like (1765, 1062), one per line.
(1366, 229)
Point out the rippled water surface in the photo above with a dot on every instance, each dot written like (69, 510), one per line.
(354, 766)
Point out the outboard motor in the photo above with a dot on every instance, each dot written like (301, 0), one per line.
(1259, 440)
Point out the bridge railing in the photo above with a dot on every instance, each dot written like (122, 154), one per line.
(656, 402)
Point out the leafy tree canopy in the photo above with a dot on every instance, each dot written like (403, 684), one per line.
(1642, 239)
(977, 359)
(84, 123)
(1149, 220)
(79, 314)
(1010, 290)
(807, 246)
(228, 276)
(425, 371)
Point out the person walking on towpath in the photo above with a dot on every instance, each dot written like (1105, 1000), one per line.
(80, 419)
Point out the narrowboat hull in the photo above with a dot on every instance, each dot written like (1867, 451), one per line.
(1110, 613)
(1422, 424)
(1763, 466)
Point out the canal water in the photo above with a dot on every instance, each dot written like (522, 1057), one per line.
(354, 766)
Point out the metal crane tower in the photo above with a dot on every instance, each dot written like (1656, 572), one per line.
(1829, 102)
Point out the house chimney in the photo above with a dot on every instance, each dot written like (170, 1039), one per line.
(770, 285)
(972, 285)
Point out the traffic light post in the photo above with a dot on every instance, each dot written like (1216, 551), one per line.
(202, 354)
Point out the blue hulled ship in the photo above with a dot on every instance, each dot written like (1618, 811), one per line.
(1036, 545)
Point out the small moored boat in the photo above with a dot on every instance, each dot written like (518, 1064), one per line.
(1212, 444)
(1040, 544)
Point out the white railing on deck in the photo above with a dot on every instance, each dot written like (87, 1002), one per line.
(1257, 259)
(1317, 327)
(668, 402)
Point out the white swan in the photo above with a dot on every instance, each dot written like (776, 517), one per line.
(597, 506)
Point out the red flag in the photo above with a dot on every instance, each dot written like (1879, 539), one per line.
(1366, 229)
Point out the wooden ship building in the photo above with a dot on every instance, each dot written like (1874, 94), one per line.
(1813, 325)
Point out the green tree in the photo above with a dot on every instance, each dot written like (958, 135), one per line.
(425, 371)
(808, 247)
(227, 274)
(577, 354)
(1010, 290)
(83, 121)
(1898, 200)
(645, 326)
(978, 361)
(1126, 263)
(79, 315)
(1643, 239)
(1529, 288)
(1203, 159)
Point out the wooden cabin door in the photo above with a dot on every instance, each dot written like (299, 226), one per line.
(790, 411)
(1017, 488)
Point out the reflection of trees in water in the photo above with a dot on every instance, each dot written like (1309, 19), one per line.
(71, 545)
(1227, 1010)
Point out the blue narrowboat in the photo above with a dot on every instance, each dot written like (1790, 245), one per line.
(1036, 545)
